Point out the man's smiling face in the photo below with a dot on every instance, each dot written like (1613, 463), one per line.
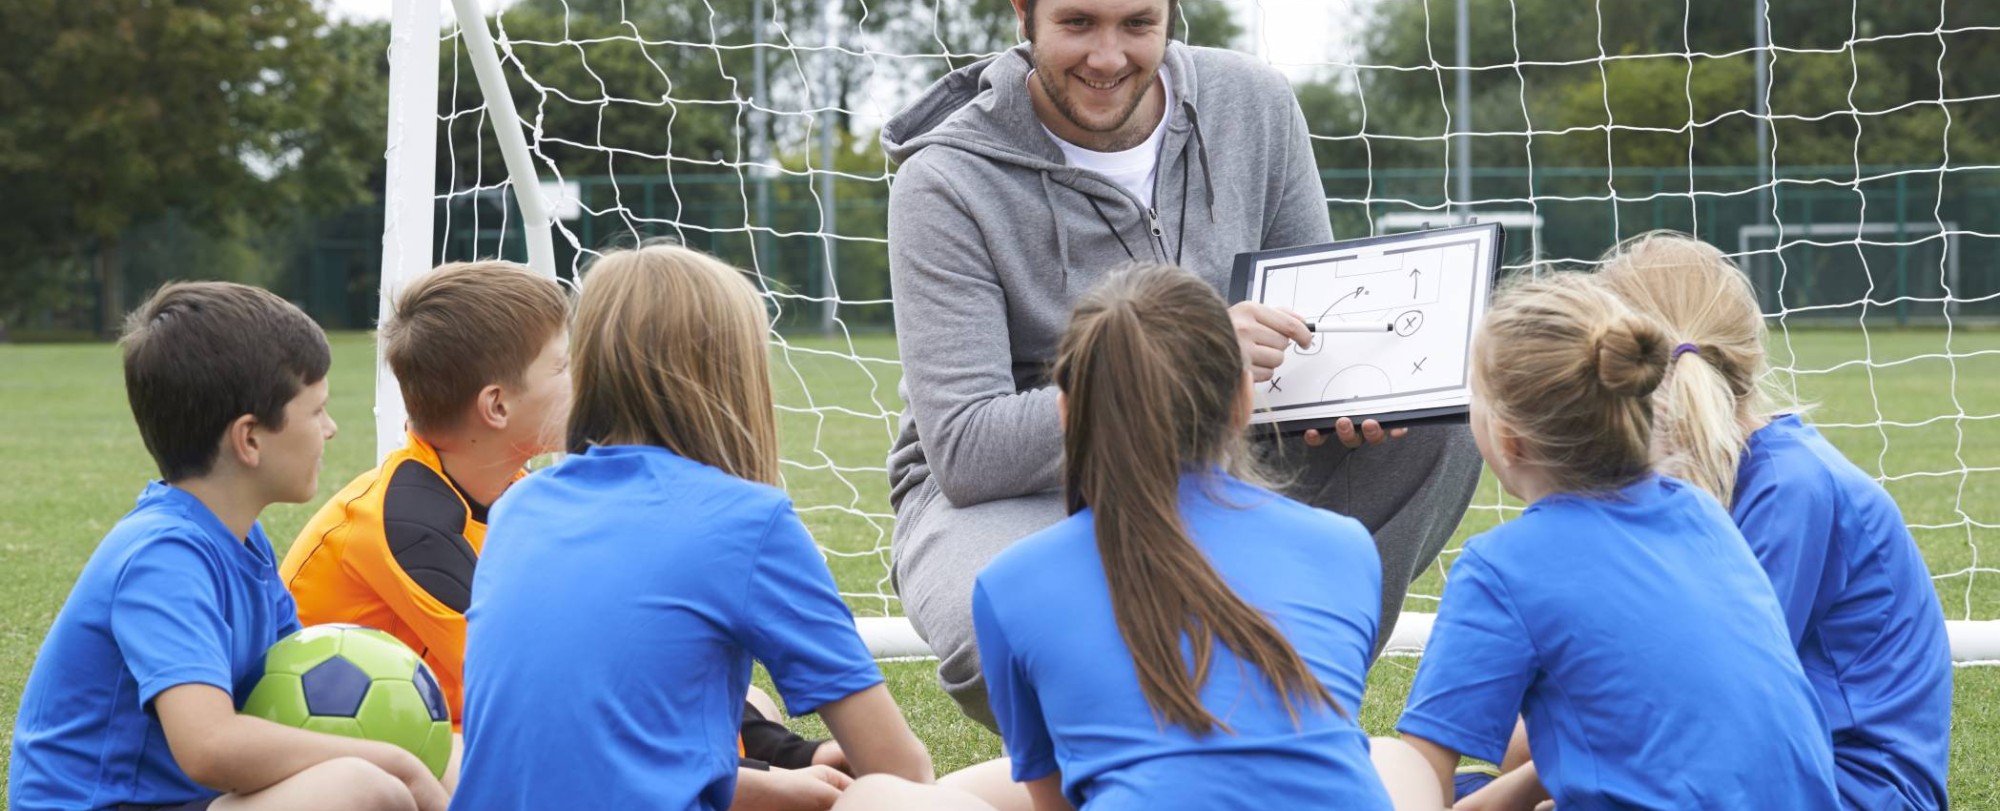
(1095, 63)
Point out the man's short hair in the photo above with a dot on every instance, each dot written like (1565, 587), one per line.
(198, 355)
(1173, 18)
(465, 326)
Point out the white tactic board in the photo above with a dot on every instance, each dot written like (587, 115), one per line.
(1427, 288)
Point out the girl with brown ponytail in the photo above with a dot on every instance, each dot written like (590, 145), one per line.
(1857, 596)
(1185, 639)
(1621, 615)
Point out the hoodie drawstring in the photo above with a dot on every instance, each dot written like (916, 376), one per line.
(1180, 239)
(1107, 224)
(1062, 234)
(1207, 177)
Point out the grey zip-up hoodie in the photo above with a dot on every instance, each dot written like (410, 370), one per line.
(992, 238)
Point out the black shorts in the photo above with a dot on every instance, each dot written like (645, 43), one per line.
(771, 743)
(197, 805)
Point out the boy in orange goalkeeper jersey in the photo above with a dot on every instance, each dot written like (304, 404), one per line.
(481, 352)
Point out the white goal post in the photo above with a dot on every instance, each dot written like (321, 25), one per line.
(1751, 242)
(412, 159)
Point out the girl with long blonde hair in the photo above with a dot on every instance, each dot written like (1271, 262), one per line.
(1621, 615)
(624, 592)
(1857, 597)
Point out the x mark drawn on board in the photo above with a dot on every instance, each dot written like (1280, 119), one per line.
(1418, 366)
(1274, 384)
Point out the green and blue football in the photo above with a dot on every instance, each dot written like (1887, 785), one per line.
(355, 681)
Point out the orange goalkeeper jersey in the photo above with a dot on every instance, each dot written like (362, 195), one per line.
(395, 550)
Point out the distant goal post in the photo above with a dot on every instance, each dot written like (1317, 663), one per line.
(1827, 267)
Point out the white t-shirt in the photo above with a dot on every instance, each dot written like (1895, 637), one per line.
(1133, 168)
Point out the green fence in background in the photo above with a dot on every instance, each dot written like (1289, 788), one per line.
(1894, 245)
(1914, 243)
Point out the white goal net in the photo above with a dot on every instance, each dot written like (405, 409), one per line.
(1847, 153)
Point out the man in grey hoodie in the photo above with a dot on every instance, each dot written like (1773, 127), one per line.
(1025, 180)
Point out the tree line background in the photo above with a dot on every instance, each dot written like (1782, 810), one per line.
(145, 140)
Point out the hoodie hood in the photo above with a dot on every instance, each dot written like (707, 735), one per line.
(985, 109)
(976, 108)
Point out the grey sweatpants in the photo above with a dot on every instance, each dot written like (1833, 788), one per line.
(1409, 492)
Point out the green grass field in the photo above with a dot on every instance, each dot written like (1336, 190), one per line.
(71, 463)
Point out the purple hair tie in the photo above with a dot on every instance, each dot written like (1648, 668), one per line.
(1684, 349)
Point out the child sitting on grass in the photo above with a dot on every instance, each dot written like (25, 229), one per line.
(1621, 614)
(1857, 596)
(624, 592)
(1187, 638)
(132, 702)
(481, 354)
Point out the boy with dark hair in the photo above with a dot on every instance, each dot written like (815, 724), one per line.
(481, 353)
(132, 702)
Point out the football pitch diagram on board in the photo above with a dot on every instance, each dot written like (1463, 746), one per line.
(1395, 317)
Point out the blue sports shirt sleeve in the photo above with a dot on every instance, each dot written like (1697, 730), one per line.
(166, 620)
(794, 622)
(1476, 668)
(1792, 535)
(286, 607)
(1012, 696)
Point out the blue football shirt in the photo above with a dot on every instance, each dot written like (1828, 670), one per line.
(1066, 694)
(1861, 610)
(615, 611)
(1640, 640)
(170, 597)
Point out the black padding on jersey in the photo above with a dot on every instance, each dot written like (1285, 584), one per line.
(424, 520)
(771, 742)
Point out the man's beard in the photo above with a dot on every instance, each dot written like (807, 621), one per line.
(1066, 106)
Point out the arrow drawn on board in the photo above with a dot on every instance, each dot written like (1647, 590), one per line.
(1358, 291)
(1416, 281)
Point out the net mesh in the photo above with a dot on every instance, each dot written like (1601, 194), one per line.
(1857, 185)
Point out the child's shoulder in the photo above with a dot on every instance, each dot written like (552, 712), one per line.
(162, 531)
(367, 494)
(1788, 459)
(1286, 513)
(1542, 529)
(1061, 546)
(361, 484)
(1230, 508)
(1044, 574)
(165, 509)
(415, 491)
(1537, 520)
(711, 484)
(646, 479)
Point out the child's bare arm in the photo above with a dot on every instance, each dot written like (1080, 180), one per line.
(874, 736)
(238, 754)
(1047, 794)
(814, 789)
(1518, 790)
(1443, 761)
